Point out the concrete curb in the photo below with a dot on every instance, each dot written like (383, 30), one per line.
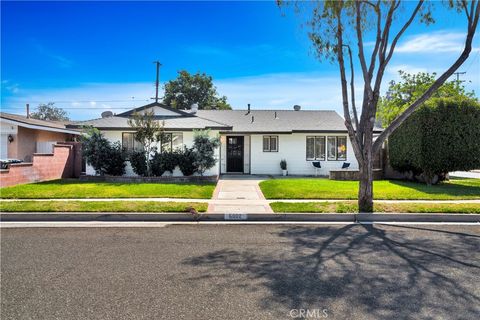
(278, 217)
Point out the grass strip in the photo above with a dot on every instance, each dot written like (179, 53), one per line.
(100, 206)
(72, 188)
(351, 207)
(321, 188)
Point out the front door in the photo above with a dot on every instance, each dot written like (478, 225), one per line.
(234, 154)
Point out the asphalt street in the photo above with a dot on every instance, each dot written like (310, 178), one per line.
(241, 272)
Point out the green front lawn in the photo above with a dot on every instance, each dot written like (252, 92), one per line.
(320, 188)
(351, 207)
(100, 206)
(70, 188)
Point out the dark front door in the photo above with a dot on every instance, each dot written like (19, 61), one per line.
(234, 154)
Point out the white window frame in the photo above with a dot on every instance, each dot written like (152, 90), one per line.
(269, 147)
(315, 138)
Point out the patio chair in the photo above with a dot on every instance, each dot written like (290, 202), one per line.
(317, 166)
(345, 165)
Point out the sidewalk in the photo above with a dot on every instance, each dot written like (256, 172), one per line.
(240, 201)
(236, 218)
(238, 194)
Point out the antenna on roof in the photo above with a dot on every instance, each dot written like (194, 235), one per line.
(158, 80)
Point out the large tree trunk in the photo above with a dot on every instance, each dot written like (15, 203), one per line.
(365, 191)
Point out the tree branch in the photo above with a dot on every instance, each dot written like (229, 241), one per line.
(346, 111)
(472, 26)
(378, 39)
(352, 86)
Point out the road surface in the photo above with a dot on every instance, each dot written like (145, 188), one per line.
(241, 272)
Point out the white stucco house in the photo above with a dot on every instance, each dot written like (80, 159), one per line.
(252, 141)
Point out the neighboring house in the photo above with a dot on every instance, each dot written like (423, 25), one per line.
(252, 141)
(21, 136)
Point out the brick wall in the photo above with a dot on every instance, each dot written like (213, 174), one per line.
(44, 167)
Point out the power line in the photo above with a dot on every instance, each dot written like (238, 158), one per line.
(458, 74)
(78, 101)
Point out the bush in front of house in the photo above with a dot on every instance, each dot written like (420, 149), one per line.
(204, 150)
(138, 163)
(105, 157)
(163, 162)
(186, 161)
(440, 137)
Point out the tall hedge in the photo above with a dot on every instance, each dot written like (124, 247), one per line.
(442, 136)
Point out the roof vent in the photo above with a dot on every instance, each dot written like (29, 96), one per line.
(194, 108)
(297, 107)
(248, 110)
(107, 114)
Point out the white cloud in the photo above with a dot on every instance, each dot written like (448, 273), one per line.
(60, 60)
(433, 42)
(10, 86)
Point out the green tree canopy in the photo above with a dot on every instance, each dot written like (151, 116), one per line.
(411, 86)
(50, 112)
(198, 88)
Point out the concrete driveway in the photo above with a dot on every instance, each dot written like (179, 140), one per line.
(239, 194)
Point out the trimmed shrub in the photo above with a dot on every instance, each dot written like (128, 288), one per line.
(115, 165)
(442, 136)
(186, 161)
(139, 163)
(105, 157)
(162, 162)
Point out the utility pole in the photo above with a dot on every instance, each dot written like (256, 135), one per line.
(458, 74)
(157, 82)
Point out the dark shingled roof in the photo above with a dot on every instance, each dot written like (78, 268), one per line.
(170, 123)
(241, 121)
(287, 121)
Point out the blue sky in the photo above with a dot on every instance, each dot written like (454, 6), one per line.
(94, 56)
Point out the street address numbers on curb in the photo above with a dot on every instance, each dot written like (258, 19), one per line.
(236, 216)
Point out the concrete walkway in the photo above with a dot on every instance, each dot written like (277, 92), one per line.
(226, 201)
(238, 194)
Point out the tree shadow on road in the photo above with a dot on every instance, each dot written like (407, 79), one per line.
(356, 270)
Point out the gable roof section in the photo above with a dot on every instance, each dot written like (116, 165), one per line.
(23, 121)
(238, 121)
(179, 123)
(154, 104)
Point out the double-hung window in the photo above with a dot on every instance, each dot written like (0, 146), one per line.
(270, 143)
(129, 144)
(337, 148)
(170, 141)
(315, 148)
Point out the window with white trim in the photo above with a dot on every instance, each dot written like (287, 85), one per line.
(270, 143)
(129, 144)
(337, 148)
(315, 148)
(170, 141)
